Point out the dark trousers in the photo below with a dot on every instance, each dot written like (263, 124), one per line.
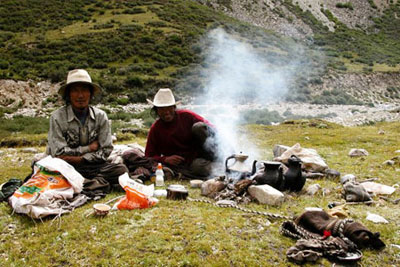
(106, 170)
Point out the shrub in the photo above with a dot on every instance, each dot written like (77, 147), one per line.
(174, 38)
(134, 81)
(113, 86)
(57, 75)
(123, 101)
(135, 10)
(99, 65)
(103, 26)
(3, 64)
(262, 116)
(157, 24)
(345, 5)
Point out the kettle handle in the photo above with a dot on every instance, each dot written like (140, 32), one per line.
(253, 170)
(226, 162)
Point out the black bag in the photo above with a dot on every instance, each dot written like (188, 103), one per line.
(7, 189)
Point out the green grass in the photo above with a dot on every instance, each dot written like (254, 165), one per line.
(176, 233)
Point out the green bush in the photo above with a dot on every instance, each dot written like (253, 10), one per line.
(103, 26)
(262, 116)
(23, 125)
(345, 5)
(113, 85)
(157, 24)
(136, 10)
(123, 101)
(3, 64)
(134, 81)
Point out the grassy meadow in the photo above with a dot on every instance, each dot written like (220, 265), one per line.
(183, 233)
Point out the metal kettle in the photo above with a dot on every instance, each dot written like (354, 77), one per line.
(271, 174)
(238, 165)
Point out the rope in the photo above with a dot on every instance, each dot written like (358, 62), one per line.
(221, 205)
(290, 229)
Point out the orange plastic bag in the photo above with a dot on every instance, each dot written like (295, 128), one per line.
(135, 197)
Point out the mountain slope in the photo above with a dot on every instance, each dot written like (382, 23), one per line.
(132, 48)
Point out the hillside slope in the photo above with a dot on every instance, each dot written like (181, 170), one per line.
(347, 51)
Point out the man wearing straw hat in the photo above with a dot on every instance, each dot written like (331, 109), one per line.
(81, 135)
(181, 139)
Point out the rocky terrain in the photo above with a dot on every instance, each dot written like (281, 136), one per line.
(275, 16)
(375, 88)
(40, 99)
(346, 115)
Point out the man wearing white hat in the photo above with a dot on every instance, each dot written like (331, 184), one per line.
(177, 138)
(80, 134)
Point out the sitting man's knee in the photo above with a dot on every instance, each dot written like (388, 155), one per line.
(121, 168)
(201, 167)
(200, 131)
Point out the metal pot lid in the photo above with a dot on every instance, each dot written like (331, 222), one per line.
(241, 157)
(176, 187)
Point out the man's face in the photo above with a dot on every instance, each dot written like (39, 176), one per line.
(166, 114)
(79, 95)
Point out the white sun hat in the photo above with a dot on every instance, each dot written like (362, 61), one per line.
(79, 76)
(163, 98)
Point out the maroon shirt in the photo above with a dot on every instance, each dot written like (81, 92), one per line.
(173, 138)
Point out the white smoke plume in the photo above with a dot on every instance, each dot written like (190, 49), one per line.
(238, 75)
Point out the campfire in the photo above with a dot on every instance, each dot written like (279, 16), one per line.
(238, 179)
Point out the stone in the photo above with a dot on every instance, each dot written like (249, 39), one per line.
(279, 149)
(266, 194)
(313, 175)
(211, 187)
(355, 193)
(1, 152)
(375, 218)
(30, 150)
(347, 178)
(196, 183)
(313, 189)
(38, 157)
(388, 162)
(397, 151)
(358, 152)
(326, 191)
(377, 188)
(330, 173)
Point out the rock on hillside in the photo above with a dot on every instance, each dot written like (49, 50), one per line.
(376, 88)
(28, 94)
(275, 16)
(267, 14)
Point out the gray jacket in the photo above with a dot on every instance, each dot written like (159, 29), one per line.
(67, 136)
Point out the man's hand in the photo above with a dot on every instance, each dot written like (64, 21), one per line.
(94, 146)
(74, 160)
(174, 160)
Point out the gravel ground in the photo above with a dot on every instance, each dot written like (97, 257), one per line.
(347, 115)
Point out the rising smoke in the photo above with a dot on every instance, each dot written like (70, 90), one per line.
(238, 76)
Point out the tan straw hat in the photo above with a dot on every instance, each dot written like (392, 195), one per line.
(79, 76)
(163, 98)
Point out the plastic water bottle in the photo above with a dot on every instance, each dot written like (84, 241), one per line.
(159, 176)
